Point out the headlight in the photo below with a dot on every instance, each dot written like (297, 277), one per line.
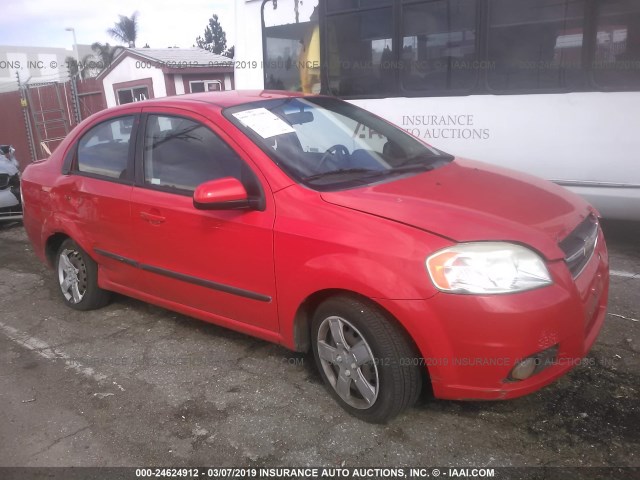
(487, 268)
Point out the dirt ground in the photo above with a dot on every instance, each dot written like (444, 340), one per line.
(136, 385)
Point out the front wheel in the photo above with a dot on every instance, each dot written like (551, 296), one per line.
(366, 361)
(77, 275)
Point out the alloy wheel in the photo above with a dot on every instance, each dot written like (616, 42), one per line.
(348, 362)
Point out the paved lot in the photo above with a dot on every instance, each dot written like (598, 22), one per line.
(135, 385)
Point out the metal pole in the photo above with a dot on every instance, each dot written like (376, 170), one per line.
(75, 101)
(27, 122)
(75, 49)
(36, 137)
(65, 120)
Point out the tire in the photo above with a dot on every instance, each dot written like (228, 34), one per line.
(371, 371)
(77, 275)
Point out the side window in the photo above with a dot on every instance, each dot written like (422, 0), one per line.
(291, 45)
(439, 45)
(617, 54)
(129, 95)
(180, 153)
(104, 150)
(536, 44)
(361, 51)
(205, 86)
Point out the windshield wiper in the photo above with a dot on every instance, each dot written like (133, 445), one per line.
(412, 164)
(418, 161)
(342, 171)
(411, 167)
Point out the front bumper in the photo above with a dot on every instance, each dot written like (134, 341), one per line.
(10, 205)
(470, 343)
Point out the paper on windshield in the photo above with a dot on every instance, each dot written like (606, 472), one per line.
(263, 122)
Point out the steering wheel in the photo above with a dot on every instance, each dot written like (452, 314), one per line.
(338, 150)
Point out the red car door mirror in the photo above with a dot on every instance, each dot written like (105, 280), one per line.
(221, 194)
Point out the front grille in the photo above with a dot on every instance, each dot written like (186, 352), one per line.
(15, 181)
(580, 244)
(4, 180)
(10, 211)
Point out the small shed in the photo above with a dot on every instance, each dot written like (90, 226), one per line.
(142, 73)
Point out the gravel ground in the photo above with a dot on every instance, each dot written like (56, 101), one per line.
(136, 385)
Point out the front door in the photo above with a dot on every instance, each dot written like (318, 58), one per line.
(213, 262)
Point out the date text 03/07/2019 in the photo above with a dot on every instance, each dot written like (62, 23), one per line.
(315, 472)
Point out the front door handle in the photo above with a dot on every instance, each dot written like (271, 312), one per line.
(152, 219)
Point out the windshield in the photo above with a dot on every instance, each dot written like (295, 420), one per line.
(327, 143)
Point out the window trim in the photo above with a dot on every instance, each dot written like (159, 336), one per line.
(69, 159)
(352, 9)
(130, 89)
(71, 162)
(130, 85)
(205, 82)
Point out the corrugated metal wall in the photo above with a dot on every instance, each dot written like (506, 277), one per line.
(52, 114)
(12, 126)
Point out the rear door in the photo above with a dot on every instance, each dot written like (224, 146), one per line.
(96, 193)
(216, 262)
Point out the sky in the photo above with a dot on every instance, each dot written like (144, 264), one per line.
(162, 23)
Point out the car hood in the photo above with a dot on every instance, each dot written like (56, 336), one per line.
(472, 201)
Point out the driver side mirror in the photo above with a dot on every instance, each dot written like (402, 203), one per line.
(226, 193)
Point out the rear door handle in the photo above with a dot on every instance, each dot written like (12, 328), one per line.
(152, 219)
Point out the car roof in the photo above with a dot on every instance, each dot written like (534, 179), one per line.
(224, 99)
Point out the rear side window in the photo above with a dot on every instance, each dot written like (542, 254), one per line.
(180, 153)
(104, 150)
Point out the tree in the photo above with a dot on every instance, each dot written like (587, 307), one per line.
(105, 54)
(126, 29)
(230, 52)
(85, 66)
(215, 39)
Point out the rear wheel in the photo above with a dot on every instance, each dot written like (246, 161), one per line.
(366, 361)
(77, 275)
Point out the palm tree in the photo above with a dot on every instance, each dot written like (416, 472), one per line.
(126, 29)
(85, 64)
(105, 54)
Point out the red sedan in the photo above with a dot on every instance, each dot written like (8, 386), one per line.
(309, 222)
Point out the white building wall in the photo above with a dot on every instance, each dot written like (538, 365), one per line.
(49, 59)
(129, 70)
(179, 84)
(248, 46)
(14, 59)
(35, 64)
